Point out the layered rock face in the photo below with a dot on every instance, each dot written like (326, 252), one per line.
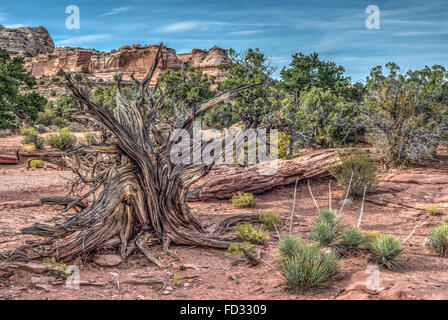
(43, 60)
(27, 42)
(130, 60)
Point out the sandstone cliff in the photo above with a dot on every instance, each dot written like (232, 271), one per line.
(27, 42)
(42, 60)
(129, 60)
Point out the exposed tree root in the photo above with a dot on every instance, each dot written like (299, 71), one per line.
(137, 194)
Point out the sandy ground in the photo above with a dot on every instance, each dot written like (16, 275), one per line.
(211, 274)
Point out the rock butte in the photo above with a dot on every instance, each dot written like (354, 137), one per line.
(43, 59)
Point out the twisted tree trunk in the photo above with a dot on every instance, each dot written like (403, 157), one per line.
(138, 194)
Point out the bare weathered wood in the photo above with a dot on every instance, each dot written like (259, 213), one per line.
(224, 181)
(9, 159)
(137, 194)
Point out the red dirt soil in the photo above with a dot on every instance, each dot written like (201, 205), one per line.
(212, 275)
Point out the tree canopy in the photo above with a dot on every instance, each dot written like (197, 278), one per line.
(17, 104)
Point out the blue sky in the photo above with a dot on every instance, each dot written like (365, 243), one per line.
(412, 33)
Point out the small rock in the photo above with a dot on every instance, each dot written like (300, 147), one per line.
(46, 287)
(346, 202)
(42, 280)
(187, 284)
(166, 292)
(107, 260)
(169, 289)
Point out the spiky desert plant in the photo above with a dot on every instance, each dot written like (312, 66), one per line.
(386, 250)
(351, 237)
(269, 220)
(289, 246)
(327, 228)
(309, 268)
(438, 240)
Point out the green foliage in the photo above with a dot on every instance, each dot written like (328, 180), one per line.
(106, 97)
(241, 249)
(247, 232)
(176, 280)
(308, 71)
(244, 200)
(433, 210)
(364, 168)
(438, 240)
(309, 268)
(18, 104)
(30, 148)
(386, 250)
(328, 119)
(55, 268)
(36, 164)
(289, 246)
(31, 136)
(352, 237)
(85, 70)
(327, 228)
(253, 106)
(270, 220)
(370, 236)
(63, 140)
(406, 113)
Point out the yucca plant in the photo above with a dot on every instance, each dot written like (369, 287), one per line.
(351, 237)
(327, 228)
(289, 246)
(309, 268)
(386, 250)
(438, 240)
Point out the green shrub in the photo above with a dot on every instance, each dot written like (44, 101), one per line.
(63, 140)
(445, 219)
(369, 236)
(240, 249)
(364, 168)
(386, 250)
(36, 164)
(269, 220)
(309, 268)
(244, 200)
(289, 246)
(31, 136)
(30, 148)
(247, 232)
(438, 240)
(326, 228)
(433, 210)
(352, 237)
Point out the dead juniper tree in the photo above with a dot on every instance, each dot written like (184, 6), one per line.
(137, 194)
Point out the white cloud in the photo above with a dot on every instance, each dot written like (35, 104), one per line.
(83, 40)
(196, 25)
(116, 11)
(179, 27)
(245, 32)
(14, 26)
